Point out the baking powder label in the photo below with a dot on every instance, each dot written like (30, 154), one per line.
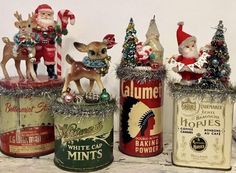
(141, 120)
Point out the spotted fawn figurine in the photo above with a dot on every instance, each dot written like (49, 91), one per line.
(94, 65)
(23, 48)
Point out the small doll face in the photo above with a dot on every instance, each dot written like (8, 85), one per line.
(189, 50)
(139, 47)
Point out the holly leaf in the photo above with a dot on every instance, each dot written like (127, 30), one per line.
(64, 32)
(152, 56)
(58, 28)
(59, 40)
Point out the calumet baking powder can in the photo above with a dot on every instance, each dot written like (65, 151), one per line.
(141, 128)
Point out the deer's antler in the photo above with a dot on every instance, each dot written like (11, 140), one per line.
(18, 16)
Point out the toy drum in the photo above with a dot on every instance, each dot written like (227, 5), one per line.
(26, 122)
(203, 131)
(84, 136)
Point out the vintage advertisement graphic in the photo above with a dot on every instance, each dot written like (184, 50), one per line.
(83, 144)
(141, 118)
(26, 126)
(201, 129)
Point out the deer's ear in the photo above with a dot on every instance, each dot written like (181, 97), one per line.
(81, 47)
(29, 18)
(17, 24)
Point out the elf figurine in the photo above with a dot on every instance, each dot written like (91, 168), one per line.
(187, 63)
(46, 46)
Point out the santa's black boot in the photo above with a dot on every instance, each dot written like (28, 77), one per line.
(51, 72)
(35, 68)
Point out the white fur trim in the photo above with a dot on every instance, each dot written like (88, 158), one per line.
(49, 63)
(181, 23)
(46, 10)
(72, 21)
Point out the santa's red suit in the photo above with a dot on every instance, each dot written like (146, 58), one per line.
(188, 75)
(46, 46)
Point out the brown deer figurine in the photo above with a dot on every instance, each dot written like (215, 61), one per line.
(93, 67)
(21, 49)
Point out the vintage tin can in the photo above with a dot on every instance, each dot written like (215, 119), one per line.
(84, 142)
(26, 122)
(141, 117)
(202, 132)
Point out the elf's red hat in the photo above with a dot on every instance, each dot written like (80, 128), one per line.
(44, 7)
(182, 37)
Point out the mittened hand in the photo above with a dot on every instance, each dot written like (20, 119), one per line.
(32, 59)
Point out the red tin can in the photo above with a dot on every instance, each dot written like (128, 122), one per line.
(26, 121)
(141, 117)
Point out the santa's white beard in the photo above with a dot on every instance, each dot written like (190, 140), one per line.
(188, 53)
(45, 22)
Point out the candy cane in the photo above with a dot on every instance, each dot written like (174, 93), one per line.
(62, 20)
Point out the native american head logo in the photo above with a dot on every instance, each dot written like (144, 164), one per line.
(136, 120)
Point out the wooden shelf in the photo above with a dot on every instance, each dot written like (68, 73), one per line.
(121, 164)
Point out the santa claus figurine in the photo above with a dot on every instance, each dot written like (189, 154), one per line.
(187, 60)
(45, 28)
(144, 54)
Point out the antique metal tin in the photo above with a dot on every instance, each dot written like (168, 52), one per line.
(26, 122)
(202, 132)
(84, 142)
(141, 117)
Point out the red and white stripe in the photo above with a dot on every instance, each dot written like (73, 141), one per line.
(62, 20)
(59, 61)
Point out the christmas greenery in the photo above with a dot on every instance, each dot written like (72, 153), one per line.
(218, 70)
(59, 32)
(215, 82)
(129, 46)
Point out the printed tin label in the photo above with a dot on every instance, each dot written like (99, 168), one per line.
(26, 126)
(203, 130)
(83, 143)
(141, 118)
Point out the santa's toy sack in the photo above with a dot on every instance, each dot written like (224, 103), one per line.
(141, 75)
(203, 103)
(26, 121)
(84, 135)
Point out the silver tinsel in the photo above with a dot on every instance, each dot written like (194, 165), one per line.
(83, 109)
(27, 92)
(178, 91)
(140, 74)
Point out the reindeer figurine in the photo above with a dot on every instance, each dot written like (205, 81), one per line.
(21, 49)
(93, 66)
